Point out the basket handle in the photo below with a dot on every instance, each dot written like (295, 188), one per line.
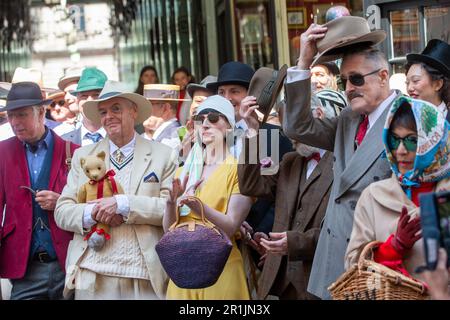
(202, 213)
(367, 252)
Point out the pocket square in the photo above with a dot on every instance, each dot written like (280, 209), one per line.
(151, 178)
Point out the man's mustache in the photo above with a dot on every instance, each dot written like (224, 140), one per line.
(353, 95)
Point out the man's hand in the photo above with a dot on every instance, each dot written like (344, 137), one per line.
(104, 210)
(47, 199)
(308, 47)
(437, 280)
(277, 244)
(247, 112)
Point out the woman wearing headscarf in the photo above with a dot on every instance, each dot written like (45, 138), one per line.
(210, 174)
(428, 74)
(417, 146)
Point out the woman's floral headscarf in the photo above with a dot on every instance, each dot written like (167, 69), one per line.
(432, 161)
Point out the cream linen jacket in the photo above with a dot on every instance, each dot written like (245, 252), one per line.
(147, 202)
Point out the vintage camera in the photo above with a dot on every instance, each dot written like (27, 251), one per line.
(435, 219)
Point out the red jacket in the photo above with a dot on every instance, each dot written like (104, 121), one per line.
(17, 230)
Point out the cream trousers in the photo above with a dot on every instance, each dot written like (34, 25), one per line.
(94, 286)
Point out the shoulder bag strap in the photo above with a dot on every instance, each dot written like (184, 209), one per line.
(68, 156)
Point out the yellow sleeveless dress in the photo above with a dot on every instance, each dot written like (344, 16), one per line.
(232, 283)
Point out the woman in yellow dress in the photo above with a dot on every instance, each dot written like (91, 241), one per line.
(210, 173)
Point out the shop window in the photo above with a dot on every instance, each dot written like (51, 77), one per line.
(255, 43)
(405, 33)
(437, 23)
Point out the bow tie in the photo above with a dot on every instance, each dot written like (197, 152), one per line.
(314, 156)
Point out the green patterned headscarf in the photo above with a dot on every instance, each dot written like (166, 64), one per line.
(432, 161)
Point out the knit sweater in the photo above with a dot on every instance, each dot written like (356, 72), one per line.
(121, 256)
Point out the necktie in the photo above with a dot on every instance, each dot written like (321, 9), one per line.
(118, 156)
(362, 130)
(94, 137)
(314, 156)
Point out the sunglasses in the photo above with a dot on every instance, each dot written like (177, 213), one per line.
(60, 103)
(212, 117)
(357, 79)
(410, 142)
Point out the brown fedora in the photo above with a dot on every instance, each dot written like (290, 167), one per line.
(266, 85)
(343, 32)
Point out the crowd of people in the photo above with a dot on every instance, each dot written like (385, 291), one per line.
(300, 187)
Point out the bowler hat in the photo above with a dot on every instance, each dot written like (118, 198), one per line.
(24, 94)
(343, 32)
(233, 72)
(91, 79)
(436, 54)
(115, 89)
(266, 85)
(192, 87)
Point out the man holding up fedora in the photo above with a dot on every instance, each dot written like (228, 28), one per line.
(90, 85)
(355, 136)
(33, 171)
(128, 266)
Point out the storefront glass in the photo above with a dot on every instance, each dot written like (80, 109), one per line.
(255, 33)
(404, 32)
(437, 23)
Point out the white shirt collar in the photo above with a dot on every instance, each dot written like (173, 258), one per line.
(241, 124)
(163, 126)
(443, 108)
(373, 117)
(102, 132)
(126, 149)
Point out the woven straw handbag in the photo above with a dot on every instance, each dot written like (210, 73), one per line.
(369, 280)
(194, 253)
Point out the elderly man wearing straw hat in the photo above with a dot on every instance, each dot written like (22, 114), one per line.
(164, 99)
(128, 266)
(355, 136)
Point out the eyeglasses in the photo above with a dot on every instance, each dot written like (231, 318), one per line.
(212, 117)
(357, 79)
(60, 103)
(410, 142)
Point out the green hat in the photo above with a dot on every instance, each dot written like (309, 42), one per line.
(91, 79)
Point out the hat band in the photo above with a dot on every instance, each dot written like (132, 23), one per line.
(161, 94)
(266, 95)
(109, 95)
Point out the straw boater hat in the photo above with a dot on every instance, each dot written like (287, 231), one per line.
(266, 85)
(343, 32)
(162, 92)
(115, 89)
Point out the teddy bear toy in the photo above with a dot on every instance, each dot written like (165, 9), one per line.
(101, 185)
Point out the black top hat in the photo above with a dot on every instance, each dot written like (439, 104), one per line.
(436, 54)
(24, 94)
(233, 73)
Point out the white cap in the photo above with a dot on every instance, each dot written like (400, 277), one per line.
(221, 105)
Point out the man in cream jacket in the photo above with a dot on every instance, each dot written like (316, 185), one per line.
(128, 266)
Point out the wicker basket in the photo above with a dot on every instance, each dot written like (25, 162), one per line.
(369, 280)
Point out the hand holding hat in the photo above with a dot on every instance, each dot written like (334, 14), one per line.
(246, 111)
(308, 46)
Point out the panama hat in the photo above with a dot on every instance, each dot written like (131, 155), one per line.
(115, 89)
(72, 74)
(24, 94)
(29, 75)
(342, 33)
(162, 92)
(436, 54)
(266, 85)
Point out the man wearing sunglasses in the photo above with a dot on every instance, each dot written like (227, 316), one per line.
(355, 136)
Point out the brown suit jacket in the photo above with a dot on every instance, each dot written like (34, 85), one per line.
(298, 210)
